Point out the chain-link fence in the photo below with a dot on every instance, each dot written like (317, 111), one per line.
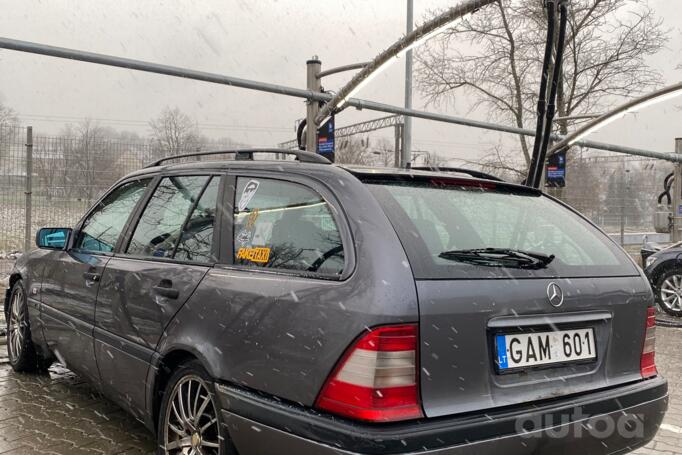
(618, 193)
(68, 173)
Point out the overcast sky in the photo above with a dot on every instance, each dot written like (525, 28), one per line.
(265, 40)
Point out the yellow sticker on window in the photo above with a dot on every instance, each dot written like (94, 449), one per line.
(254, 254)
(251, 220)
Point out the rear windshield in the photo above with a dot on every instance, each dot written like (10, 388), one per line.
(446, 227)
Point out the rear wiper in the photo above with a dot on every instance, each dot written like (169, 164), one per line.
(499, 257)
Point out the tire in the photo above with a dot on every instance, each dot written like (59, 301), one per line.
(20, 349)
(669, 291)
(204, 433)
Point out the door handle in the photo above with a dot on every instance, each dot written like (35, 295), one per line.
(90, 276)
(166, 291)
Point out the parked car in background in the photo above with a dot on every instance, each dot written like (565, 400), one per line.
(269, 307)
(663, 268)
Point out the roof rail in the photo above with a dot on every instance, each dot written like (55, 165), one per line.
(247, 154)
(475, 174)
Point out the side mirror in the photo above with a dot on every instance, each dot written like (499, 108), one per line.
(53, 238)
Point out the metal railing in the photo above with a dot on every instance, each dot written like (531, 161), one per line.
(149, 67)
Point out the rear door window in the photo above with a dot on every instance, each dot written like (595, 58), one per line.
(196, 240)
(177, 204)
(285, 225)
(446, 228)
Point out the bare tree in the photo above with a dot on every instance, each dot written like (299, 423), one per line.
(174, 133)
(383, 151)
(89, 159)
(8, 120)
(504, 164)
(495, 56)
(7, 116)
(354, 150)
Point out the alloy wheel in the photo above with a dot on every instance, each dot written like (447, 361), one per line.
(191, 420)
(16, 333)
(671, 292)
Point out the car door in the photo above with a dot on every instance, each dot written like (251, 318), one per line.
(71, 278)
(167, 252)
(284, 260)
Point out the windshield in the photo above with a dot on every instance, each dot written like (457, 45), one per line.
(462, 231)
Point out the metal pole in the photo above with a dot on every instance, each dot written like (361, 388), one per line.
(677, 196)
(313, 84)
(398, 135)
(407, 129)
(622, 203)
(402, 148)
(29, 188)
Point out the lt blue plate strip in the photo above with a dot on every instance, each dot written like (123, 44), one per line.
(501, 351)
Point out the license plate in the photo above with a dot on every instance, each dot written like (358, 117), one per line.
(522, 350)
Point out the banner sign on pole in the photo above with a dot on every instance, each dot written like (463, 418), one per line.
(556, 170)
(325, 139)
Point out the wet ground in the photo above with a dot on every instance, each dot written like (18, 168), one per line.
(57, 413)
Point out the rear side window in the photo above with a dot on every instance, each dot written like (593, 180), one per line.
(283, 225)
(196, 240)
(160, 228)
(446, 228)
(101, 230)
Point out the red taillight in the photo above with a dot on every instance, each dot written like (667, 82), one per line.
(647, 364)
(377, 379)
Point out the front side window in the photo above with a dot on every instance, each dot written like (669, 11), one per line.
(100, 232)
(160, 226)
(283, 225)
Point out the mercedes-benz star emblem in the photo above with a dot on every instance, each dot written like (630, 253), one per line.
(555, 294)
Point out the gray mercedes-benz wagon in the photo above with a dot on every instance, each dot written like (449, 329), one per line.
(294, 306)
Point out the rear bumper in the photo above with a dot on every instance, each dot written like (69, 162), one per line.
(616, 420)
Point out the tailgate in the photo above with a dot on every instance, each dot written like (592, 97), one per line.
(460, 321)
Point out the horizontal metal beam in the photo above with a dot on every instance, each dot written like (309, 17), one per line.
(371, 105)
(156, 68)
(76, 55)
(601, 121)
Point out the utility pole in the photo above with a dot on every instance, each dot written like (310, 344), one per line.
(29, 190)
(407, 128)
(398, 141)
(314, 84)
(677, 197)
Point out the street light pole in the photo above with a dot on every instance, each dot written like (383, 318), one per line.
(314, 84)
(676, 234)
(407, 129)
